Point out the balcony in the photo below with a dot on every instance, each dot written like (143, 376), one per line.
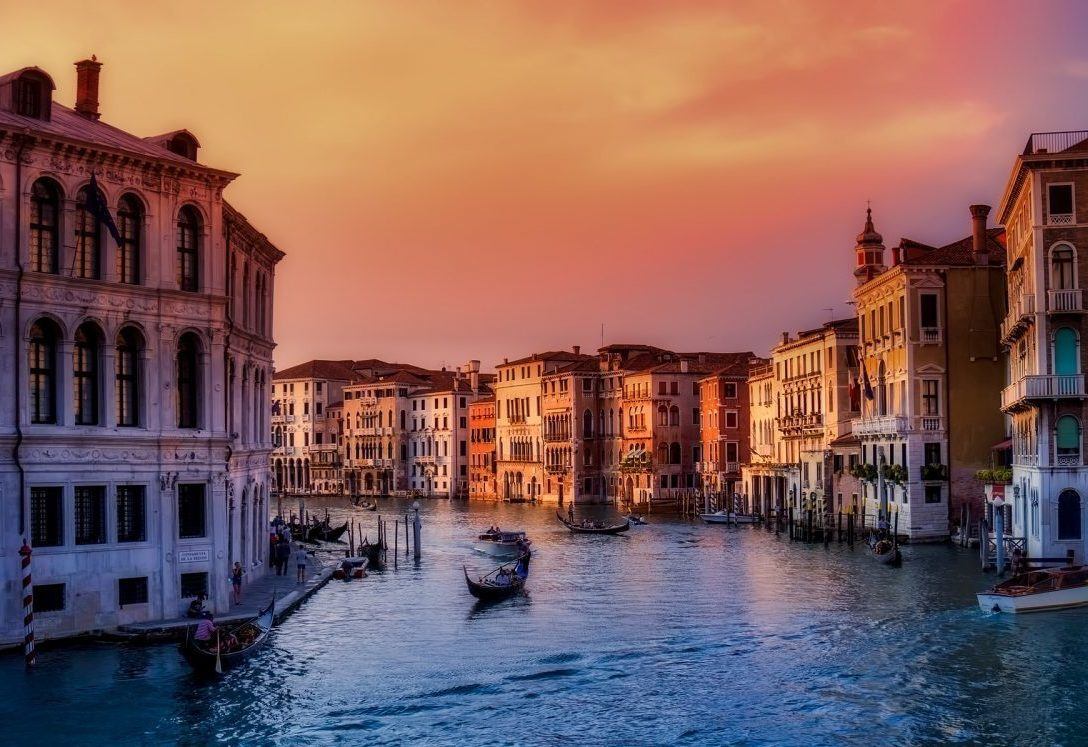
(929, 423)
(929, 335)
(886, 425)
(1041, 387)
(1060, 219)
(732, 467)
(1040, 143)
(1021, 313)
(1069, 301)
(557, 469)
(556, 436)
(800, 422)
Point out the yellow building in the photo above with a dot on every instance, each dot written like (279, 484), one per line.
(929, 341)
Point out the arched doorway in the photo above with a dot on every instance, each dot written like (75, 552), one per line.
(1069, 515)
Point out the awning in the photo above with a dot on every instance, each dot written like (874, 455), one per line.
(1006, 444)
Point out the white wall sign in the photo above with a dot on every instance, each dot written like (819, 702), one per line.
(192, 556)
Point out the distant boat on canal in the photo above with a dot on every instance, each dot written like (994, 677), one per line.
(1038, 591)
(724, 517)
(502, 544)
(594, 527)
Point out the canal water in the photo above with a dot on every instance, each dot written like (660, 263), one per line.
(677, 633)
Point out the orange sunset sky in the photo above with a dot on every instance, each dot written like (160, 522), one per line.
(457, 180)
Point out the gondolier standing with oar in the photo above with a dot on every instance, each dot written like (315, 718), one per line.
(29, 654)
(570, 511)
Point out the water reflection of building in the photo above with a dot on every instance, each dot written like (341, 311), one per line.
(1045, 212)
(929, 338)
(134, 367)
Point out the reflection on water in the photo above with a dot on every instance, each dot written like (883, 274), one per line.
(674, 633)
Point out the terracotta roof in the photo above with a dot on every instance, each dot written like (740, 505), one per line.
(317, 369)
(958, 253)
(741, 367)
(847, 440)
(588, 365)
(550, 355)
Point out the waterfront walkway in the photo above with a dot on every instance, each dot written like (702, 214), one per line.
(255, 596)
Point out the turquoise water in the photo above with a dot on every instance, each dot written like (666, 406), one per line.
(677, 633)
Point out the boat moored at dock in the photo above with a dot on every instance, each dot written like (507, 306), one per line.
(1038, 591)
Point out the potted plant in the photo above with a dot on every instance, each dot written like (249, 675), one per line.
(994, 481)
(864, 472)
(894, 473)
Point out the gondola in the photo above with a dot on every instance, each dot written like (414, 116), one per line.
(887, 552)
(578, 529)
(372, 553)
(324, 533)
(487, 590)
(204, 660)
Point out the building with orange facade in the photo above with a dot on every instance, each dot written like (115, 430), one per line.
(481, 450)
(725, 430)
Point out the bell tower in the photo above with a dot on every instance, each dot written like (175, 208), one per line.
(869, 251)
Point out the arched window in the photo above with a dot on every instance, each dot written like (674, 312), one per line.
(674, 415)
(129, 224)
(587, 424)
(1067, 439)
(188, 249)
(662, 415)
(1063, 272)
(663, 453)
(188, 381)
(1065, 352)
(1069, 515)
(88, 234)
(245, 295)
(674, 453)
(85, 369)
(42, 370)
(127, 377)
(44, 225)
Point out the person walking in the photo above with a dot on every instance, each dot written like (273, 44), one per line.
(300, 563)
(283, 554)
(236, 574)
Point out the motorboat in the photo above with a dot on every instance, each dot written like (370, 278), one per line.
(502, 544)
(1038, 591)
(724, 517)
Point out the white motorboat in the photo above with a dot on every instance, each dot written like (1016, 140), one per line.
(723, 517)
(502, 544)
(1038, 591)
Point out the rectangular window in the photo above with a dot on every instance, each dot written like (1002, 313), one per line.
(194, 584)
(731, 451)
(90, 509)
(131, 513)
(730, 390)
(131, 591)
(932, 453)
(662, 388)
(930, 401)
(46, 518)
(587, 385)
(928, 310)
(933, 493)
(731, 420)
(695, 416)
(587, 486)
(1059, 200)
(192, 511)
(48, 597)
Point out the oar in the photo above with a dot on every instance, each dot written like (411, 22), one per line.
(218, 655)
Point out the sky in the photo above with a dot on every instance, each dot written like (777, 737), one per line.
(479, 180)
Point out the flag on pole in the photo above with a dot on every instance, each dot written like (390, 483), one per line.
(866, 385)
(97, 207)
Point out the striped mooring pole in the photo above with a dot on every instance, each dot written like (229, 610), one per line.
(29, 654)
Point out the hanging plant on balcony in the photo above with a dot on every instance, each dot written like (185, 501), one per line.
(934, 472)
(996, 476)
(864, 472)
(894, 473)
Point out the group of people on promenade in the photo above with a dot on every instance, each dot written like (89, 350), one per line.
(280, 552)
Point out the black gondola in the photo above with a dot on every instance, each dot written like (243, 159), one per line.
(203, 659)
(488, 590)
(372, 553)
(325, 533)
(601, 529)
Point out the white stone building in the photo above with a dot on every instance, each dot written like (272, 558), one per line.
(134, 449)
(438, 439)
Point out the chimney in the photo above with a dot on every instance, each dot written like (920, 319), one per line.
(895, 256)
(87, 87)
(474, 380)
(785, 338)
(978, 233)
(577, 349)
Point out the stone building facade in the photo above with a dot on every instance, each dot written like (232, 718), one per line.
(725, 427)
(1045, 211)
(134, 368)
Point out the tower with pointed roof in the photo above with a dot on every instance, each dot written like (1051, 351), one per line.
(869, 251)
